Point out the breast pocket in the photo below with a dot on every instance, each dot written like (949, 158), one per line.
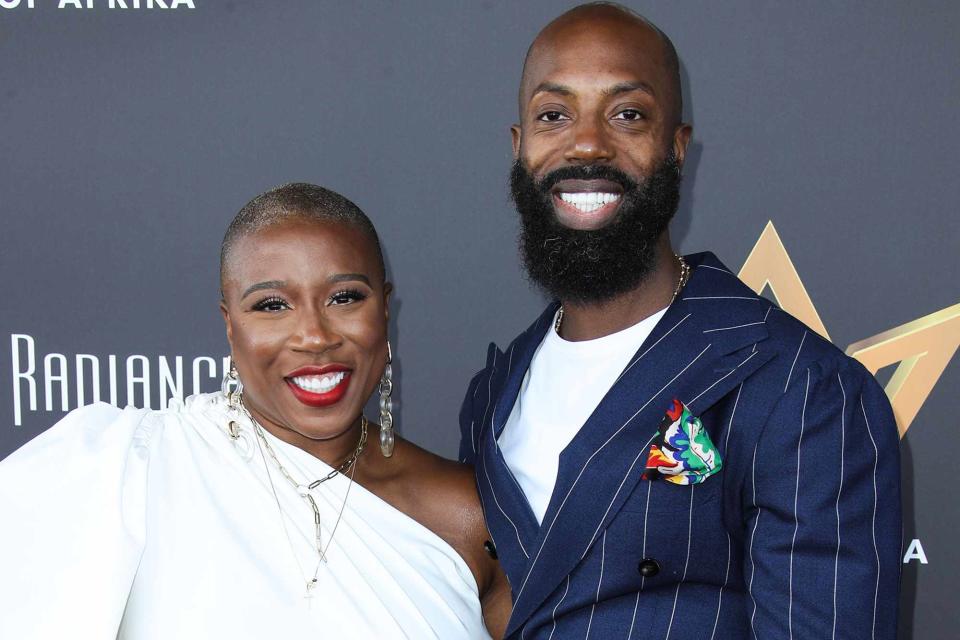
(660, 496)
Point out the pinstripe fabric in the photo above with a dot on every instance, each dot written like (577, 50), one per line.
(797, 537)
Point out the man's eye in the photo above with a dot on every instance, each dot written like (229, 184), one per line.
(552, 116)
(347, 296)
(271, 304)
(629, 115)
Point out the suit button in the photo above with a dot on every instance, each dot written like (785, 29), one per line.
(649, 567)
(491, 549)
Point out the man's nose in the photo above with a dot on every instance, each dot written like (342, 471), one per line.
(590, 142)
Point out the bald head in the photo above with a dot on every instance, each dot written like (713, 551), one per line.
(616, 26)
(293, 202)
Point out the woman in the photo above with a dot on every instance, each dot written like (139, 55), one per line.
(273, 509)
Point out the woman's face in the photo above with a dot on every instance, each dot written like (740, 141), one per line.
(305, 306)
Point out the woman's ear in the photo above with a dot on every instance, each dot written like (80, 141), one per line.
(226, 321)
(387, 290)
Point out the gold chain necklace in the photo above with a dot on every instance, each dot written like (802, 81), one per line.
(684, 276)
(304, 492)
(341, 469)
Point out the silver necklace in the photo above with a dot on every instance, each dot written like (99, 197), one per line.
(684, 276)
(304, 491)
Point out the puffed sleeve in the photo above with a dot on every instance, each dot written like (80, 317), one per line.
(824, 530)
(72, 519)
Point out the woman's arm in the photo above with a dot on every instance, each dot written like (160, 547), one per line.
(475, 544)
(495, 601)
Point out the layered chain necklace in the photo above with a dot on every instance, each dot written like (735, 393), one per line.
(348, 468)
(684, 276)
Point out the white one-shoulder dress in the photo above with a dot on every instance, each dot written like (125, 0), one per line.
(155, 524)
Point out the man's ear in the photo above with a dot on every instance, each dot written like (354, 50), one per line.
(681, 139)
(516, 134)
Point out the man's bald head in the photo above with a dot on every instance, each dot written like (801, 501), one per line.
(612, 21)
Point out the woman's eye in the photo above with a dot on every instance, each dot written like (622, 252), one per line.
(271, 304)
(347, 296)
(552, 116)
(629, 115)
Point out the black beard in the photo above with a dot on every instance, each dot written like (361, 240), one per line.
(584, 267)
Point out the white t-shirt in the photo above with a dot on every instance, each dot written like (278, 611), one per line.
(561, 389)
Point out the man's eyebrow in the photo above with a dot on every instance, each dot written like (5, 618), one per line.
(552, 87)
(627, 87)
(617, 89)
(346, 277)
(267, 284)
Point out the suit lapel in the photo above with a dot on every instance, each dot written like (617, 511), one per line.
(517, 361)
(701, 349)
(506, 507)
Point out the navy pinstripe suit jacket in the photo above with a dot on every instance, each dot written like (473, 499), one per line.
(799, 534)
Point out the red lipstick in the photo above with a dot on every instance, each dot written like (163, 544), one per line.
(317, 398)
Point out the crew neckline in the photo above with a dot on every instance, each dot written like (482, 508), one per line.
(610, 342)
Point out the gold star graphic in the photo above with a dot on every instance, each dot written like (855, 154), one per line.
(921, 349)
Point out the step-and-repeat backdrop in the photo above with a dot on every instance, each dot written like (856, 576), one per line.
(823, 168)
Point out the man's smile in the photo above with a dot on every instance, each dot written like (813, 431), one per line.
(586, 204)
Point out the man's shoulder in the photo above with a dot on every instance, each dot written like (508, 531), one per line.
(532, 335)
(787, 336)
(483, 387)
(800, 349)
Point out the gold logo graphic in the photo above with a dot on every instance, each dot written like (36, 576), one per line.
(921, 349)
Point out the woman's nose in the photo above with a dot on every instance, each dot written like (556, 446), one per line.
(316, 333)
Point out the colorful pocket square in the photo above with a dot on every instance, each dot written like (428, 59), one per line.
(682, 451)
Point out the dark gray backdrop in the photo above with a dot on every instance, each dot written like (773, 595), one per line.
(130, 138)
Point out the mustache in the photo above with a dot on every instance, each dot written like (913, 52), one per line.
(587, 172)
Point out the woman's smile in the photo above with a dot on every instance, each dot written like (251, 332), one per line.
(319, 386)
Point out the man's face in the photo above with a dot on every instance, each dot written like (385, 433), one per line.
(597, 157)
(597, 91)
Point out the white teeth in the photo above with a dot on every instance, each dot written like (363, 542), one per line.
(320, 384)
(588, 201)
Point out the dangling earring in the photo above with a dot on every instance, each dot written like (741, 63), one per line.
(386, 407)
(232, 389)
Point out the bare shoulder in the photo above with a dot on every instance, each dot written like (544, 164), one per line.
(442, 492)
(441, 495)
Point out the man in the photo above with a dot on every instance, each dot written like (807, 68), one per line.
(663, 453)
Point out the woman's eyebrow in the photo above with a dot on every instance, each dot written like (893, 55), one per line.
(279, 284)
(267, 284)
